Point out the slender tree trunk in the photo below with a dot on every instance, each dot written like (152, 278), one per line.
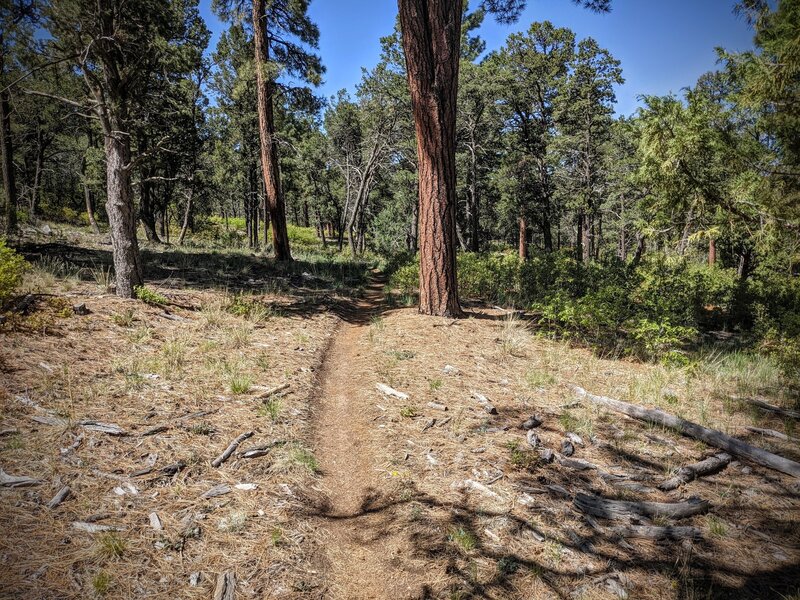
(474, 202)
(523, 238)
(579, 237)
(87, 196)
(187, 214)
(266, 130)
(7, 158)
(641, 245)
(431, 31)
(37, 173)
(712, 252)
(121, 218)
(586, 239)
(146, 209)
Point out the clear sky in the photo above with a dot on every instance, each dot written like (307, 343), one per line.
(664, 45)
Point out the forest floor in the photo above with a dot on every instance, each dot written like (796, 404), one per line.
(342, 491)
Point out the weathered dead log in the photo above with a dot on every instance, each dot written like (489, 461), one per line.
(217, 490)
(109, 428)
(658, 533)
(576, 463)
(624, 510)
(17, 481)
(226, 586)
(484, 401)
(275, 390)
(768, 407)
(231, 448)
(436, 406)
(773, 433)
(155, 430)
(62, 495)
(50, 420)
(430, 423)
(94, 527)
(709, 436)
(691, 472)
(385, 389)
(260, 450)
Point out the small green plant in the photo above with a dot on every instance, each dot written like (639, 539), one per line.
(716, 526)
(101, 583)
(520, 457)
(408, 412)
(124, 318)
(271, 408)
(435, 384)
(304, 459)
(240, 384)
(201, 429)
(276, 536)
(111, 545)
(539, 379)
(173, 355)
(507, 565)
(103, 277)
(148, 296)
(463, 538)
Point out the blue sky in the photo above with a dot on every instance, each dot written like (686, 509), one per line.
(664, 45)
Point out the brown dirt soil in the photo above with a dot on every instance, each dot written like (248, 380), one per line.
(391, 504)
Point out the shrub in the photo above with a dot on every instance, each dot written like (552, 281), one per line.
(149, 296)
(12, 267)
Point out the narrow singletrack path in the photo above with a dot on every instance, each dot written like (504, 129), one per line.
(367, 552)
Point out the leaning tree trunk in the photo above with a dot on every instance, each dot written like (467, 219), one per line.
(431, 41)
(121, 217)
(7, 158)
(266, 133)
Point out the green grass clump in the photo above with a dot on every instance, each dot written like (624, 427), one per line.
(240, 384)
(408, 412)
(149, 296)
(271, 408)
(101, 583)
(111, 545)
(464, 539)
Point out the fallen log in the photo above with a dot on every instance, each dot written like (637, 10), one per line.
(385, 389)
(17, 481)
(231, 449)
(217, 490)
(691, 472)
(768, 407)
(62, 495)
(275, 390)
(624, 510)
(658, 533)
(773, 433)
(109, 428)
(693, 430)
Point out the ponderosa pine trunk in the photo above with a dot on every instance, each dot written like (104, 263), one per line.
(121, 218)
(266, 133)
(431, 31)
(7, 158)
(712, 252)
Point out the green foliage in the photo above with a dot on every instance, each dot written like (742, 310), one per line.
(149, 296)
(12, 268)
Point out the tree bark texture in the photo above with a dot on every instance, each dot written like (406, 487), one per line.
(523, 238)
(7, 156)
(121, 218)
(266, 130)
(431, 32)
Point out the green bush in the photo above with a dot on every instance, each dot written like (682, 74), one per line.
(12, 267)
(149, 296)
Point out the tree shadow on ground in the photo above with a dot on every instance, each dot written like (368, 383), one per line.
(430, 526)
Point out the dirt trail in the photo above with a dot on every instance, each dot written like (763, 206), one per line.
(368, 554)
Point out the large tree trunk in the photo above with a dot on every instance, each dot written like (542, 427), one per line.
(712, 252)
(431, 41)
(266, 132)
(7, 158)
(121, 218)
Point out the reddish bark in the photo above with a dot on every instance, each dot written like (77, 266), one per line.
(266, 130)
(431, 40)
